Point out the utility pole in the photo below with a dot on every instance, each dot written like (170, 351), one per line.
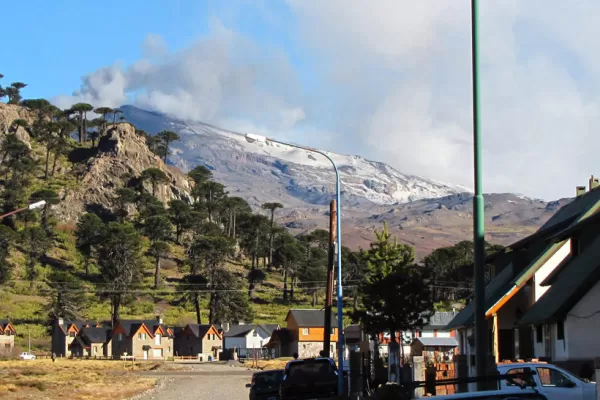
(329, 293)
(29, 335)
(481, 327)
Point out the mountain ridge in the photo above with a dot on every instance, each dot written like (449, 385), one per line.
(427, 217)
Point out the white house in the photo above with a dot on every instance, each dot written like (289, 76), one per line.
(566, 318)
(247, 338)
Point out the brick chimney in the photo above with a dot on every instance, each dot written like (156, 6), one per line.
(159, 320)
(594, 182)
(580, 190)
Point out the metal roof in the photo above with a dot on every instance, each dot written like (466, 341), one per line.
(436, 341)
(311, 318)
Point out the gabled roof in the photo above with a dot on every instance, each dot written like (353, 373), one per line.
(95, 335)
(436, 341)
(197, 330)
(310, 318)
(239, 330)
(5, 325)
(571, 284)
(493, 292)
(78, 324)
(270, 328)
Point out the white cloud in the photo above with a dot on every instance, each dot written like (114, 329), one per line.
(394, 82)
(218, 77)
(538, 117)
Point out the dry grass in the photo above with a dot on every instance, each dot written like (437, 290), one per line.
(277, 363)
(81, 379)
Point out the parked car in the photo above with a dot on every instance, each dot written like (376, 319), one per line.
(505, 394)
(311, 378)
(265, 385)
(553, 382)
(26, 356)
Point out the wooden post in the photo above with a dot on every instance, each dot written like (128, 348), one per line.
(329, 293)
(495, 338)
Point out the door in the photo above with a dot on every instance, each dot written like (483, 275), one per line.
(145, 354)
(557, 385)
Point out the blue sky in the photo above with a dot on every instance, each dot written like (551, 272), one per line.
(389, 80)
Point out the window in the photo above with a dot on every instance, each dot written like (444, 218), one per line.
(120, 336)
(141, 336)
(305, 331)
(552, 377)
(157, 339)
(515, 381)
(560, 330)
(539, 334)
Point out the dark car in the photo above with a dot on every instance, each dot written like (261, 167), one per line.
(311, 378)
(265, 385)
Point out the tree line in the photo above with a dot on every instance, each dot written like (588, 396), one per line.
(215, 229)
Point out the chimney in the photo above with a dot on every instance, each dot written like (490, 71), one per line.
(593, 183)
(61, 321)
(580, 190)
(159, 320)
(240, 322)
(225, 326)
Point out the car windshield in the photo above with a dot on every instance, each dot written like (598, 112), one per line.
(311, 370)
(268, 379)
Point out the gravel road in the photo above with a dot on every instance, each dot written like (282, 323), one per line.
(204, 381)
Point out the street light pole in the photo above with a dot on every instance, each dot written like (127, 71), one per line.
(340, 314)
(37, 204)
(481, 328)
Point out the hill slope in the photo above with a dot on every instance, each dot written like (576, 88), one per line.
(422, 212)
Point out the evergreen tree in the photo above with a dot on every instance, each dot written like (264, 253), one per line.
(158, 250)
(193, 286)
(167, 137)
(119, 254)
(66, 298)
(125, 196)
(7, 237)
(180, 214)
(200, 174)
(14, 92)
(155, 176)
(395, 294)
(81, 109)
(51, 198)
(35, 243)
(271, 207)
(90, 232)
(288, 254)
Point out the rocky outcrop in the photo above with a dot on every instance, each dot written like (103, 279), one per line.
(10, 113)
(120, 153)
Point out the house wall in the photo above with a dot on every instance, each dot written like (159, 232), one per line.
(188, 345)
(311, 349)
(314, 334)
(7, 344)
(582, 343)
(120, 347)
(209, 343)
(542, 273)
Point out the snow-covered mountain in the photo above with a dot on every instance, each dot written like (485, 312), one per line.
(272, 171)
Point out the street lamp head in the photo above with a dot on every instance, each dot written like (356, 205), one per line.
(251, 138)
(37, 204)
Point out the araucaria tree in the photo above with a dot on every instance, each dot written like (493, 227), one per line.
(81, 109)
(119, 260)
(155, 176)
(395, 294)
(271, 207)
(167, 137)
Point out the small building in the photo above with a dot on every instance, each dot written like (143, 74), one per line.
(92, 342)
(148, 340)
(7, 338)
(64, 333)
(439, 349)
(247, 339)
(200, 341)
(303, 334)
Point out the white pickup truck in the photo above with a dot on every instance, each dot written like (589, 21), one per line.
(553, 382)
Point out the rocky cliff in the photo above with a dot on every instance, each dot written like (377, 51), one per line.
(121, 155)
(10, 113)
